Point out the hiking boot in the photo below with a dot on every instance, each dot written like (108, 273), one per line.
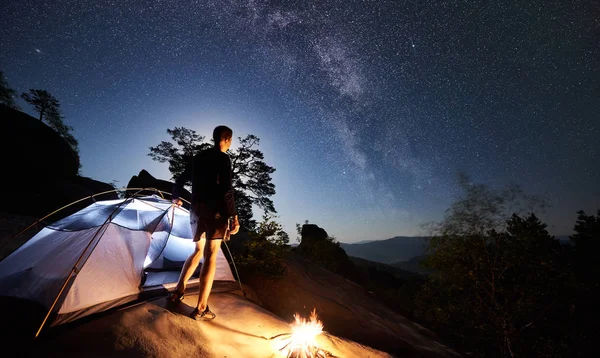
(206, 315)
(176, 296)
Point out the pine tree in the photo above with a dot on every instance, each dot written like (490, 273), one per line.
(7, 94)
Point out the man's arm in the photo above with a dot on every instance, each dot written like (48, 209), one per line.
(179, 182)
(226, 180)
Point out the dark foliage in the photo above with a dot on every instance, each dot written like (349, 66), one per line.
(509, 289)
(43, 102)
(7, 94)
(263, 251)
(393, 286)
(584, 308)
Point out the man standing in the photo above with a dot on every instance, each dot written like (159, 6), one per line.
(213, 216)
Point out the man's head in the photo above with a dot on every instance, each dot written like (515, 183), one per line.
(222, 136)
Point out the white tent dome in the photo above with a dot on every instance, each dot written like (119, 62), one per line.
(102, 256)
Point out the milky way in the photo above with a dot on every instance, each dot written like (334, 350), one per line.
(368, 109)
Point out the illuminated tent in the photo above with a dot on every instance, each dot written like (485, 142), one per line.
(108, 254)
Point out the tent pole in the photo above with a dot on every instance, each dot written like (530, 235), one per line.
(154, 230)
(82, 199)
(236, 271)
(57, 210)
(75, 266)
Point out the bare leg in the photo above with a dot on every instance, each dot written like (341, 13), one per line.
(207, 272)
(191, 264)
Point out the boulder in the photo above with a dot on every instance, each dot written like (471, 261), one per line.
(146, 180)
(317, 246)
(312, 234)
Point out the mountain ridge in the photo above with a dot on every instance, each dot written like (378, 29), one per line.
(389, 251)
(398, 249)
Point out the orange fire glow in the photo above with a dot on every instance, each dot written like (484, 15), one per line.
(302, 342)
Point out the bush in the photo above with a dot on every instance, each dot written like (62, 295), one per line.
(263, 252)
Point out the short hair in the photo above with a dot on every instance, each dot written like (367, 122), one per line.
(222, 133)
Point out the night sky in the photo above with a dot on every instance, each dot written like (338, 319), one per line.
(368, 110)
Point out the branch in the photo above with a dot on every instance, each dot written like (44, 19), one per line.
(490, 311)
(538, 317)
(244, 146)
(237, 167)
(502, 273)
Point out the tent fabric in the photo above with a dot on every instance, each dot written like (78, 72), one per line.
(109, 248)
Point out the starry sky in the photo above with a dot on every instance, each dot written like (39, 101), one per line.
(368, 110)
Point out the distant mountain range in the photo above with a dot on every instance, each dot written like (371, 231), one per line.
(390, 251)
(403, 252)
(363, 242)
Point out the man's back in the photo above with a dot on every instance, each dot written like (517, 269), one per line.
(211, 180)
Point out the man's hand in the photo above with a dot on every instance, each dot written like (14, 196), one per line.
(177, 202)
(234, 225)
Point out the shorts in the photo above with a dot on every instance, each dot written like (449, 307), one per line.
(208, 223)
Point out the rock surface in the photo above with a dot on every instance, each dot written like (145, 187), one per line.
(346, 309)
(156, 329)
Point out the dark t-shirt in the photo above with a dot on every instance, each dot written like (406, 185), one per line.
(210, 174)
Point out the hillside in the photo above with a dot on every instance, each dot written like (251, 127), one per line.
(372, 270)
(349, 293)
(44, 170)
(413, 265)
(347, 309)
(399, 248)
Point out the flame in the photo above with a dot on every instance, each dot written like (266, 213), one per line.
(302, 342)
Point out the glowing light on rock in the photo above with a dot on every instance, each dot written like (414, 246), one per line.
(302, 341)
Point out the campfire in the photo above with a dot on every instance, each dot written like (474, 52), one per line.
(302, 341)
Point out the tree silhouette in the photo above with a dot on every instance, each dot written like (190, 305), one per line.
(497, 284)
(7, 94)
(43, 102)
(482, 208)
(299, 230)
(49, 109)
(587, 232)
(587, 267)
(55, 121)
(252, 180)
